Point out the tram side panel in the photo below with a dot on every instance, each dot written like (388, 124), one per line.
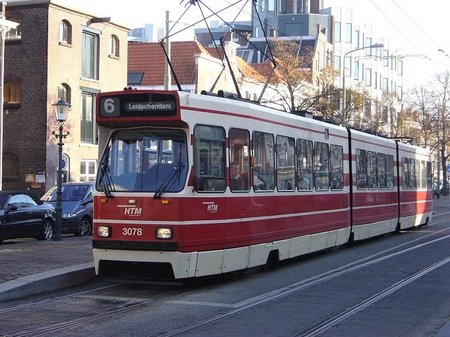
(415, 180)
(374, 188)
(291, 222)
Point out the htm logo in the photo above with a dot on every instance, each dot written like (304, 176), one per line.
(132, 211)
(213, 208)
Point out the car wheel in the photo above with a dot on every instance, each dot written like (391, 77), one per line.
(47, 231)
(84, 227)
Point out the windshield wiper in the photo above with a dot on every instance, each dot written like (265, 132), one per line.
(169, 180)
(106, 180)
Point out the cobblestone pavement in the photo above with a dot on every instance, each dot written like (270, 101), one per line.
(21, 257)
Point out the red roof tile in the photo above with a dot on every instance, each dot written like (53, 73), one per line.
(149, 58)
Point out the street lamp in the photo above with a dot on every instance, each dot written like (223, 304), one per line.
(344, 96)
(61, 110)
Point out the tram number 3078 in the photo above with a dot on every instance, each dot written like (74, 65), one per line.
(132, 231)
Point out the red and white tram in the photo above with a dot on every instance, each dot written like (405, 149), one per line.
(198, 185)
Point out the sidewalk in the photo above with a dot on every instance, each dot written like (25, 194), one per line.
(29, 266)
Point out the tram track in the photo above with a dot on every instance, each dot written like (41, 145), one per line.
(324, 326)
(128, 304)
(325, 277)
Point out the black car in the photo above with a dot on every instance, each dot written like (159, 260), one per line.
(77, 206)
(22, 215)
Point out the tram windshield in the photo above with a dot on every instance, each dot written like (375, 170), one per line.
(144, 160)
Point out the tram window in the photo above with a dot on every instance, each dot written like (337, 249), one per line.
(239, 160)
(209, 158)
(336, 163)
(412, 180)
(371, 169)
(429, 176)
(423, 174)
(406, 173)
(389, 171)
(381, 170)
(361, 169)
(143, 160)
(285, 163)
(304, 164)
(417, 171)
(263, 166)
(321, 166)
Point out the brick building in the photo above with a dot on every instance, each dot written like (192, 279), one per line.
(56, 52)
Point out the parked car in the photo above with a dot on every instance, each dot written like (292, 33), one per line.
(23, 215)
(77, 205)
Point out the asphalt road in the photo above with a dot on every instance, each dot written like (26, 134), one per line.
(391, 286)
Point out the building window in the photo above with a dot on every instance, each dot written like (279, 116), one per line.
(90, 49)
(385, 58)
(88, 128)
(64, 92)
(400, 92)
(114, 46)
(385, 84)
(11, 93)
(337, 63)
(348, 66)
(368, 43)
(65, 32)
(348, 33)
(337, 31)
(368, 77)
(400, 67)
(281, 6)
(87, 170)
(357, 39)
(356, 73)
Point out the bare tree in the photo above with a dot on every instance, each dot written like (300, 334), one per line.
(442, 99)
(422, 104)
(292, 78)
(355, 105)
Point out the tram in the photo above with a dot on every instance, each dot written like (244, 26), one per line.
(191, 185)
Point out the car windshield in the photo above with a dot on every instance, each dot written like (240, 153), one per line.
(69, 193)
(144, 160)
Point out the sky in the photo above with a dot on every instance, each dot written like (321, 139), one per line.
(418, 27)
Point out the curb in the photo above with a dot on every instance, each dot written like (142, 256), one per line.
(47, 281)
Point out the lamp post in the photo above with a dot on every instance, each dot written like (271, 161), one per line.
(61, 110)
(344, 96)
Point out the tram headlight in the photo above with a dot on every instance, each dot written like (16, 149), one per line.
(104, 231)
(164, 233)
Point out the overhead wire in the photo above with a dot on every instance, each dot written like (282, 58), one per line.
(416, 25)
(402, 33)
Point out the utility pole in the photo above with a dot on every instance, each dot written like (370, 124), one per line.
(167, 79)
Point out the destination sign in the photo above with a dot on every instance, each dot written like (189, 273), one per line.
(141, 104)
(150, 106)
